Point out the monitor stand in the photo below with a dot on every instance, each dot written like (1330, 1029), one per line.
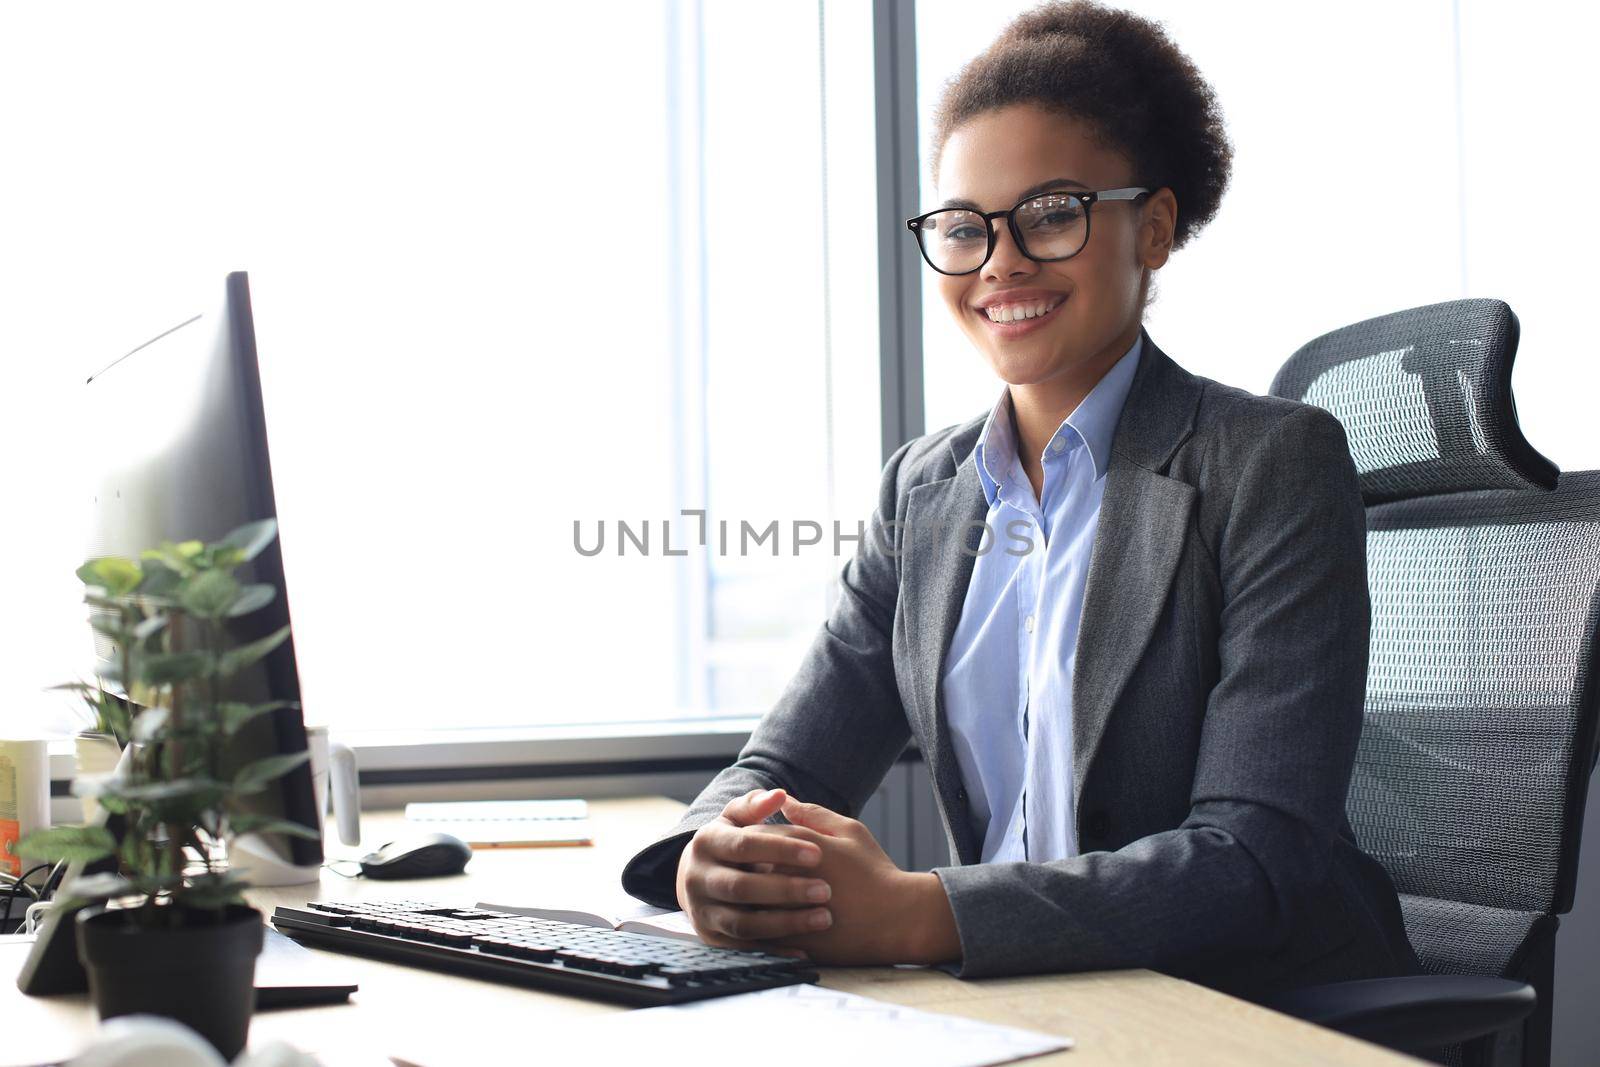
(261, 865)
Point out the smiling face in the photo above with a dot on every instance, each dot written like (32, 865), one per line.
(1094, 298)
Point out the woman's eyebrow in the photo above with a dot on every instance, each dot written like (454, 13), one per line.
(1031, 191)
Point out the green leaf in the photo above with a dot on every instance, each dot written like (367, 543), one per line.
(252, 598)
(251, 538)
(92, 888)
(183, 788)
(253, 777)
(180, 558)
(75, 844)
(245, 655)
(115, 805)
(177, 804)
(159, 579)
(165, 668)
(116, 575)
(267, 824)
(209, 594)
(234, 715)
(223, 558)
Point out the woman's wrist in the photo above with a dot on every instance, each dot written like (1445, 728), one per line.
(929, 932)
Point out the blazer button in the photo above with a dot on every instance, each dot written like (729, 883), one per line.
(961, 796)
(1096, 824)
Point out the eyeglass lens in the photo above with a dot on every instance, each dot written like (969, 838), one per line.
(1052, 227)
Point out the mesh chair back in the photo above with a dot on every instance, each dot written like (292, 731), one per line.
(1425, 399)
(1484, 572)
(1480, 692)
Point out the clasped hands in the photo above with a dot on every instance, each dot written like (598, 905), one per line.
(821, 888)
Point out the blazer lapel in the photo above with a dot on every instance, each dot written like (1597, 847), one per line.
(941, 517)
(1139, 538)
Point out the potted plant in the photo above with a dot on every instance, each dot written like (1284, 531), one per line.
(169, 932)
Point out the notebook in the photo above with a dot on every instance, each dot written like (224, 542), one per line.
(628, 915)
(506, 823)
(289, 975)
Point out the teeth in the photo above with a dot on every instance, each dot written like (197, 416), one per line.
(1018, 312)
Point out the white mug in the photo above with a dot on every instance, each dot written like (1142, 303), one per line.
(153, 1041)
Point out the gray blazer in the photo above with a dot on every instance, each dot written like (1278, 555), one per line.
(1217, 702)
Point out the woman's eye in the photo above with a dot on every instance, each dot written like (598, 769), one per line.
(1055, 219)
(964, 233)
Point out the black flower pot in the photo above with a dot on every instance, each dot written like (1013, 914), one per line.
(200, 970)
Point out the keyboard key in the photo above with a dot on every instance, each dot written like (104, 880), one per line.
(535, 951)
(677, 975)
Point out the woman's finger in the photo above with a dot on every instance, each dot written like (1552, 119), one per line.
(759, 923)
(754, 806)
(818, 817)
(748, 845)
(744, 887)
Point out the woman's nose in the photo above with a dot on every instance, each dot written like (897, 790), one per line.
(1008, 260)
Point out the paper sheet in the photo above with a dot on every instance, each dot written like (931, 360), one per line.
(804, 1026)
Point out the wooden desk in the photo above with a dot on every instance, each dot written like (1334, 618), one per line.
(432, 1019)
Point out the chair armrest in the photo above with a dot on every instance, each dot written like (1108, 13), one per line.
(1413, 1012)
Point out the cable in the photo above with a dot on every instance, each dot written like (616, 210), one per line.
(33, 916)
(57, 875)
(20, 882)
(332, 867)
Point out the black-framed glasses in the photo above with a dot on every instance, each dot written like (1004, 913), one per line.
(1047, 227)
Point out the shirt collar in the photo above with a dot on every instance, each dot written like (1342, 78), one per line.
(1094, 421)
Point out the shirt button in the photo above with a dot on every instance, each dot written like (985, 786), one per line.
(1059, 445)
(1027, 624)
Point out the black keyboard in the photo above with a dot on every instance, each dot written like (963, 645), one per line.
(635, 969)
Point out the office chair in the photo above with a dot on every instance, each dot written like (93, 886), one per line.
(1483, 687)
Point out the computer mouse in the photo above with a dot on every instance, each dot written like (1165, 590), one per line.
(423, 856)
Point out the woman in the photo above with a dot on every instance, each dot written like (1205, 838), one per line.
(1123, 614)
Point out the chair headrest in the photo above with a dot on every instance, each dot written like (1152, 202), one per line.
(1425, 398)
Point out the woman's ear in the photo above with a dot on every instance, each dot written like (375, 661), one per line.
(1159, 225)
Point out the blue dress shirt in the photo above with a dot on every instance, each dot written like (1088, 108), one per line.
(1007, 681)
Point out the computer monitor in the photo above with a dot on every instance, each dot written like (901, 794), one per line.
(185, 457)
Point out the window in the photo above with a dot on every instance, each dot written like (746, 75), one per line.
(519, 278)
